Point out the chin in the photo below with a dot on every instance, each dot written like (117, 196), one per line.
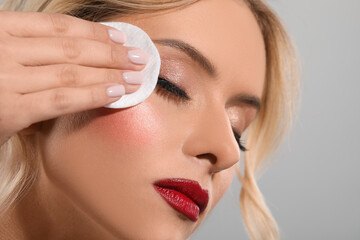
(172, 228)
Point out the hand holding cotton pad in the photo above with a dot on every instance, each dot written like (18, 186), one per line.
(136, 37)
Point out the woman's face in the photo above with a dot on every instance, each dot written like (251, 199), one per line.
(108, 164)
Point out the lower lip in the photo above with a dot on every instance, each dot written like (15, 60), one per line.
(180, 202)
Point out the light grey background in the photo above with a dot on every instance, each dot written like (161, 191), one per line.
(312, 188)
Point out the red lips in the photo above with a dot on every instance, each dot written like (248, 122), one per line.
(184, 195)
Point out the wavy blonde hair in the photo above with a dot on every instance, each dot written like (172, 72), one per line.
(18, 165)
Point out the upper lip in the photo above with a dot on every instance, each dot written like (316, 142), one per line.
(189, 188)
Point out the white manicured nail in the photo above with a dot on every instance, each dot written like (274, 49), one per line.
(117, 36)
(133, 77)
(116, 91)
(138, 56)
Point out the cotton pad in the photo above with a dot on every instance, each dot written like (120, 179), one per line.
(136, 37)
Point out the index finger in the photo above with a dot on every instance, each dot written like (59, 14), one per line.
(34, 24)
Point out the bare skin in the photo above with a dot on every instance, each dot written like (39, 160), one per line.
(96, 177)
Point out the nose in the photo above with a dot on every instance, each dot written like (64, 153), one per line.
(211, 138)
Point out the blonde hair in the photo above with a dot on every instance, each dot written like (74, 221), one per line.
(18, 165)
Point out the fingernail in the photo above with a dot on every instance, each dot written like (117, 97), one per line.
(116, 91)
(133, 77)
(117, 36)
(138, 56)
(131, 88)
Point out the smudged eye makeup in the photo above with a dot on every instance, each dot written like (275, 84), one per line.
(171, 92)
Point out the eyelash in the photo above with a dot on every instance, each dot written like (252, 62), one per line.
(240, 142)
(169, 91)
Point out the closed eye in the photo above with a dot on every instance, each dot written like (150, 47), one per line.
(170, 91)
(240, 142)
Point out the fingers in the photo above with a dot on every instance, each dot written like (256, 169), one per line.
(53, 64)
(40, 106)
(46, 51)
(34, 24)
(67, 75)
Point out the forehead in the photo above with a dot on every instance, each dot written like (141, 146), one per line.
(225, 31)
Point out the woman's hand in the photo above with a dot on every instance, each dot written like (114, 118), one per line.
(54, 64)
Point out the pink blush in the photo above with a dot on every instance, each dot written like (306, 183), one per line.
(138, 125)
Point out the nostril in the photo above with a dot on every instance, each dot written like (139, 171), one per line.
(209, 156)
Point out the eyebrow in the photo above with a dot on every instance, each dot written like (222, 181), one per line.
(192, 52)
(248, 99)
(208, 67)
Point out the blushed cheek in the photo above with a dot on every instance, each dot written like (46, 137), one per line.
(138, 125)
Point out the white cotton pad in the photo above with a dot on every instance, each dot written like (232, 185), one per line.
(136, 37)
